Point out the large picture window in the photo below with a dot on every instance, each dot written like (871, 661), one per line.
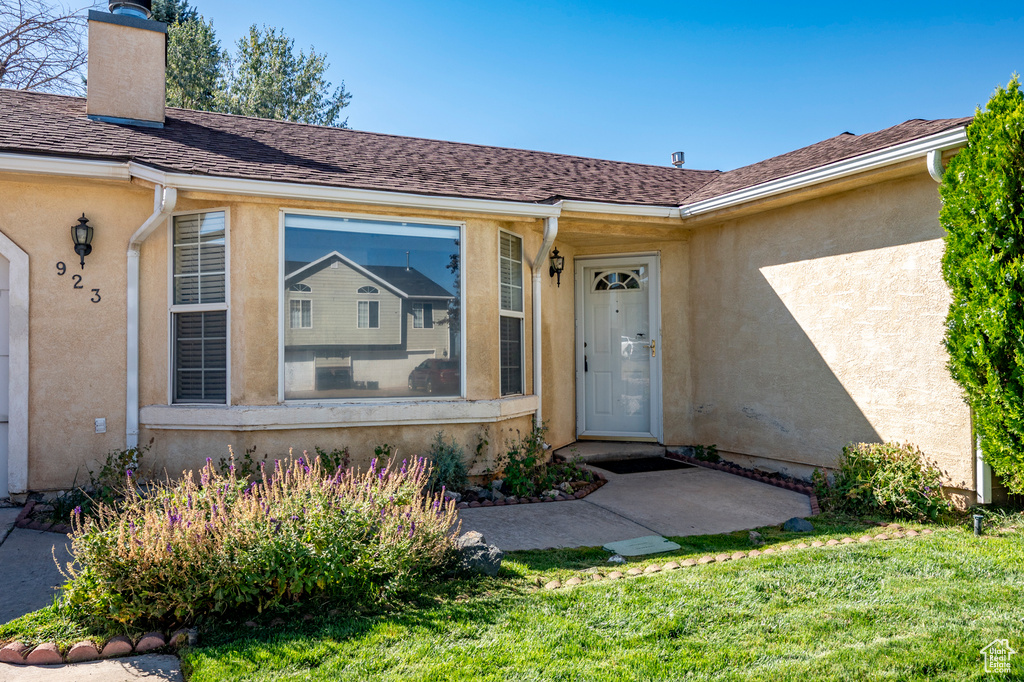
(199, 318)
(384, 309)
(510, 257)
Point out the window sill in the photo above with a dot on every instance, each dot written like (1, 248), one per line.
(334, 415)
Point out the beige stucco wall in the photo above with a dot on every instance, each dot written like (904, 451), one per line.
(821, 323)
(785, 333)
(76, 347)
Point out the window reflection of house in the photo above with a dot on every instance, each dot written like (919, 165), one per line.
(360, 327)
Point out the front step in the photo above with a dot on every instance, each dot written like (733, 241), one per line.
(598, 451)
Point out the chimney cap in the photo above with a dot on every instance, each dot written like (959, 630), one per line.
(678, 159)
(143, 9)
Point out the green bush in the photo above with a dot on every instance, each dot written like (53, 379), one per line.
(189, 549)
(526, 468)
(448, 468)
(983, 215)
(892, 480)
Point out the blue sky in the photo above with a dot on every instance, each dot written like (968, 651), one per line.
(635, 81)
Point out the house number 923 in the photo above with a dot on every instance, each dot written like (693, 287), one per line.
(77, 282)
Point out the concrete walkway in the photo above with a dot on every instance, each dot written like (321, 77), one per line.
(150, 668)
(29, 574)
(695, 501)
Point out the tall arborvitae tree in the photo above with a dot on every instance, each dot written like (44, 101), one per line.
(983, 214)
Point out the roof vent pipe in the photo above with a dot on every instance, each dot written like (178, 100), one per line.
(143, 9)
(678, 159)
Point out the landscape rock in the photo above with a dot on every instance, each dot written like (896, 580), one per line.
(497, 484)
(671, 566)
(151, 641)
(634, 571)
(738, 555)
(566, 488)
(616, 559)
(573, 581)
(83, 651)
(476, 555)
(46, 653)
(614, 575)
(117, 646)
(13, 653)
(549, 495)
(756, 539)
(452, 495)
(497, 496)
(553, 585)
(798, 525)
(689, 562)
(653, 568)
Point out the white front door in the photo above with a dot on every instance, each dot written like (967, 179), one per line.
(618, 360)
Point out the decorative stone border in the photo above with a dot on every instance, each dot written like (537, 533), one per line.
(725, 556)
(48, 653)
(23, 521)
(736, 470)
(599, 481)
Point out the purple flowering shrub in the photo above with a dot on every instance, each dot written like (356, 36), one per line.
(893, 480)
(188, 549)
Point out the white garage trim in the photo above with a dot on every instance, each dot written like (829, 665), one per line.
(17, 434)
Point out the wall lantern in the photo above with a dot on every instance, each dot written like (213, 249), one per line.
(557, 265)
(81, 234)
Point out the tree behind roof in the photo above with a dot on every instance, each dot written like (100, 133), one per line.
(983, 215)
(268, 79)
(265, 77)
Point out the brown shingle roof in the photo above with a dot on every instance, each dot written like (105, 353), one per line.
(242, 147)
(204, 143)
(834, 149)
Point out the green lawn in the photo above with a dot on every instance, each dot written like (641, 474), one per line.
(909, 609)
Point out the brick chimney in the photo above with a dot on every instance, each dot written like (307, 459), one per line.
(127, 65)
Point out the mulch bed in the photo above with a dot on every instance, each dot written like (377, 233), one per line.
(599, 481)
(31, 518)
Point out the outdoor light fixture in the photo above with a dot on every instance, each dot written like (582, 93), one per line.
(81, 234)
(557, 265)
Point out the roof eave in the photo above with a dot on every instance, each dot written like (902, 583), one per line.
(948, 139)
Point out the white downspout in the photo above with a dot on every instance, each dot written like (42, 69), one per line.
(536, 267)
(982, 471)
(164, 200)
(934, 161)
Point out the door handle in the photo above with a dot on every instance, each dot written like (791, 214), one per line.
(653, 342)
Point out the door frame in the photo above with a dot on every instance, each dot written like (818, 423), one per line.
(17, 389)
(653, 260)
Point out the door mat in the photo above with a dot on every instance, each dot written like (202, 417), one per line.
(639, 465)
(649, 544)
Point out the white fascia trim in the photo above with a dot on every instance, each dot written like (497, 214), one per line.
(949, 139)
(334, 416)
(289, 190)
(50, 165)
(620, 209)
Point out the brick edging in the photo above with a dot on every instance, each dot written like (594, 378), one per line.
(895, 534)
(599, 480)
(48, 653)
(736, 470)
(23, 521)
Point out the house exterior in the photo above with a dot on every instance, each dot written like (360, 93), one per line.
(272, 285)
